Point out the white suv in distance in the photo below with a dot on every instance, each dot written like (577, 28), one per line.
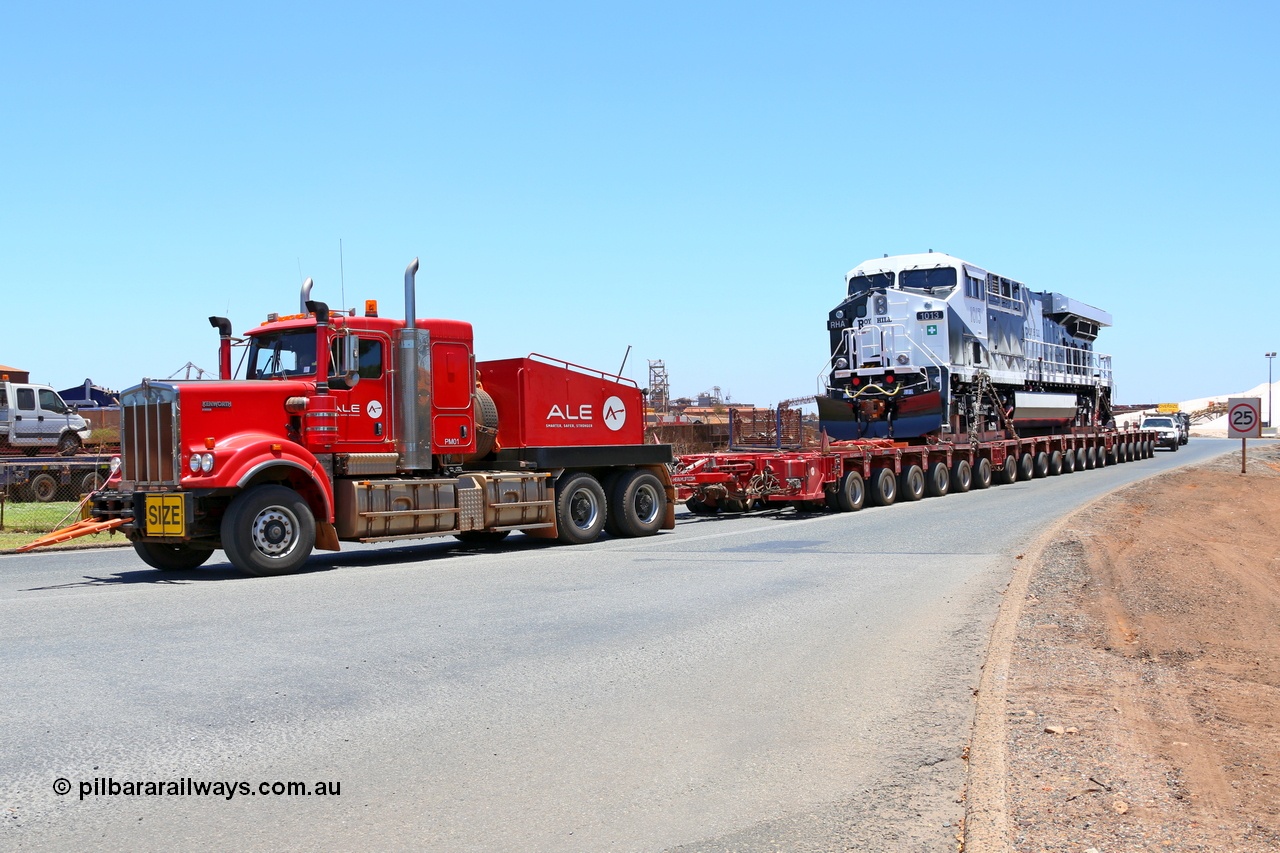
(1167, 432)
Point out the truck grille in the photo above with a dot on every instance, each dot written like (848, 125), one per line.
(149, 435)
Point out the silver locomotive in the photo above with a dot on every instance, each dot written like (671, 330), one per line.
(929, 344)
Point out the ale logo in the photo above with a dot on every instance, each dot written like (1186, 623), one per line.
(615, 413)
(374, 409)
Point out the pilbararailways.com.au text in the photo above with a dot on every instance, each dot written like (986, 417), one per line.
(106, 786)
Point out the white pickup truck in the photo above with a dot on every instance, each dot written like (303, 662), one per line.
(1168, 433)
(34, 419)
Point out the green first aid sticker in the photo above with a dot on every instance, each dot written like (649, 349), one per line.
(931, 330)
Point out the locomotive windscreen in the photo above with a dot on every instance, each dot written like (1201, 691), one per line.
(863, 283)
(928, 279)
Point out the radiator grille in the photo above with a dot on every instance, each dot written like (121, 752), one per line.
(149, 435)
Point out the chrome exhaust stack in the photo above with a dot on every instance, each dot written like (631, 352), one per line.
(413, 383)
(306, 294)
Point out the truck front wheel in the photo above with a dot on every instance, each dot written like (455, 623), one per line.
(69, 444)
(268, 530)
(170, 558)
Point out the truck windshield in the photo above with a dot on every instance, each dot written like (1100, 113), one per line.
(1157, 422)
(292, 353)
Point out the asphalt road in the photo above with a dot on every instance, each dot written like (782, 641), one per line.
(764, 683)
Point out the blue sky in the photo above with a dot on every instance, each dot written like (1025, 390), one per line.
(690, 179)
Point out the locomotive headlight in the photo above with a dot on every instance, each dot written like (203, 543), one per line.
(839, 315)
(842, 363)
(903, 358)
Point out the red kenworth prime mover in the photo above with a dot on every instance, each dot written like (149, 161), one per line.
(368, 429)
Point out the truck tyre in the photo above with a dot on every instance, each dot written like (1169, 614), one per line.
(44, 487)
(1041, 465)
(911, 483)
(884, 486)
(851, 493)
(983, 474)
(68, 444)
(1082, 459)
(1026, 466)
(961, 476)
(1091, 458)
(1174, 447)
(482, 537)
(268, 530)
(1055, 463)
(91, 483)
(580, 509)
(938, 483)
(638, 504)
(1069, 462)
(171, 558)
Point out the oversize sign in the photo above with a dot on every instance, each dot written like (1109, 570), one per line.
(1244, 417)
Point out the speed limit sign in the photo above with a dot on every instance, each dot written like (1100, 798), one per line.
(1244, 417)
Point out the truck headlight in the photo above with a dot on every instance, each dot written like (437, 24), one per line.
(201, 463)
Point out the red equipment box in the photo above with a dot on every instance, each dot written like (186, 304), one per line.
(545, 402)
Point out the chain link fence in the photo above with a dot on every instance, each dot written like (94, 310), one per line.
(39, 496)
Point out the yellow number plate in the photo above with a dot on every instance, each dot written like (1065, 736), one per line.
(166, 515)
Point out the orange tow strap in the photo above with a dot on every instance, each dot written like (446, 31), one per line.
(80, 528)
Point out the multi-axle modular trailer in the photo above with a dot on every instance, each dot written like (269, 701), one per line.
(843, 475)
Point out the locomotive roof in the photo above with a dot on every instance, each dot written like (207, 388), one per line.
(1057, 303)
(919, 260)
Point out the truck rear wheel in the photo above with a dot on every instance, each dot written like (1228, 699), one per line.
(911, 485)
(938, 483)
(961, 476)
(171, 558)
(580, 509)
(268, 530)
(982, 474)
(1026, 466)
(1008, 472)
(1041, 465)
(884, 486)
(851, 493)
(44, 487)
(638, 504)
(1055, 463)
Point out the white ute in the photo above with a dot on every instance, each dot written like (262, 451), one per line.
(1167, 432)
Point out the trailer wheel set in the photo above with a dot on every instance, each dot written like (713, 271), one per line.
(842, 476)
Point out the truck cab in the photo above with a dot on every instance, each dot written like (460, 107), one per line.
(34, 418)
(372, 428)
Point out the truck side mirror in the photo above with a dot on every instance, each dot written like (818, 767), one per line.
(346, 353)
